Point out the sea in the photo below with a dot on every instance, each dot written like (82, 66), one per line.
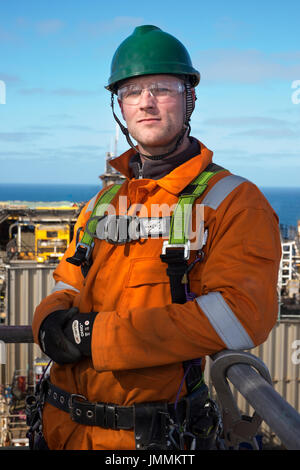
(285, 201)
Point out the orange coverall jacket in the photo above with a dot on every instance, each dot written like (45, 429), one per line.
(139, 337)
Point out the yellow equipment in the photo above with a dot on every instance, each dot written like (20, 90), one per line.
(51, 241)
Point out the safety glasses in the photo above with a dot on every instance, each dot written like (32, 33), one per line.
(162, 91)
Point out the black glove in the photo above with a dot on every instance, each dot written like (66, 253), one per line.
(53, 340)
(78, 330)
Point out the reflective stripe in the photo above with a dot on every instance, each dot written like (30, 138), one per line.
(62, 286)
(91, 204)
(221, 189)
(224, 321)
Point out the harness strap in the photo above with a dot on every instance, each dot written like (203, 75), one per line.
(176, 250)
(84, 247)
(178, 234)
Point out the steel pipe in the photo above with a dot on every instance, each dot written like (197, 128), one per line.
(16, 334)
(282, 418)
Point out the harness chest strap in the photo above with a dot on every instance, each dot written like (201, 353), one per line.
(179, 226)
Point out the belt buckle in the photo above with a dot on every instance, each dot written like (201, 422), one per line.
(71, 403)
(186, 247)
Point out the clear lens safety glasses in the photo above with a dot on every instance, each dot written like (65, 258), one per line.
(162, 91)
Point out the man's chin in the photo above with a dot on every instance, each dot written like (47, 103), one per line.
(155, 144)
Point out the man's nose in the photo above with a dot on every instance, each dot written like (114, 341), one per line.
(147, 99)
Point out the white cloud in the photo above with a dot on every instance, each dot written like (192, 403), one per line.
(246, 121)
(118, 23)
(60, 116)
(73, 92)
(58, 91)
(7, 78)
(267, 133)
(7, 36)
(228, 28)
(20, 136)
(32, 91)
(50, 26)
(250, 66)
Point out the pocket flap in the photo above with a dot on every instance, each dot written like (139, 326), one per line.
(147, 271)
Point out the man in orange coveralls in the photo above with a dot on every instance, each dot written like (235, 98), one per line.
(127, 325)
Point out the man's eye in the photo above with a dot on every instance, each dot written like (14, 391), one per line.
(134, 92)
(162, 90)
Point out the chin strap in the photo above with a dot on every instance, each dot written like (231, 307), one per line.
(186, 126)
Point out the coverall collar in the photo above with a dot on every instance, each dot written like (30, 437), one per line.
(175, 181)
(157, 169)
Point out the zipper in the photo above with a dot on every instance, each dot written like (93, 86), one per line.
(140, 171)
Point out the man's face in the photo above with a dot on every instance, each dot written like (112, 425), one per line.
(152, 122)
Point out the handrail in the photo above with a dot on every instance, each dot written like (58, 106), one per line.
(282, 418)
(16, 334)
(255, 386)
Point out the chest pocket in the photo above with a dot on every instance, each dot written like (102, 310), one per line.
(146, 285)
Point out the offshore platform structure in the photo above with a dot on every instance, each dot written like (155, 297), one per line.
(289, 271)
(37, 232)
(112, 176)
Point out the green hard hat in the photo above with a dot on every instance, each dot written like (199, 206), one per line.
(149, 50)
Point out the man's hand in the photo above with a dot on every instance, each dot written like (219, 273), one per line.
(54, 341)
(78, 330)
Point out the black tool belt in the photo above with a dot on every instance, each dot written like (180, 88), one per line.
(105, 415)
(190, 424)
(84, 412)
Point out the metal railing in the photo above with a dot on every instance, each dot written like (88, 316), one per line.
(249, 375)
(16, 334)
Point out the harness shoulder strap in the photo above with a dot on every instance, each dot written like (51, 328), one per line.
(176, 250)
(85, 245)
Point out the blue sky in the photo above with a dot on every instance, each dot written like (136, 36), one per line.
(56, 125)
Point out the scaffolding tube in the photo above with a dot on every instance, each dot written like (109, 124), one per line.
(16, 334)
(250, 376)
(282, 418)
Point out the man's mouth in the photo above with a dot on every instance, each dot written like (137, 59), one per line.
(148, 120)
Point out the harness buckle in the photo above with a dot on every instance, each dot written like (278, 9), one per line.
(186, 247)
(82, 253)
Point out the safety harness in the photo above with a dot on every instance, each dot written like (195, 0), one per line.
(192, 421)
(119, 230)
(175, 250)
